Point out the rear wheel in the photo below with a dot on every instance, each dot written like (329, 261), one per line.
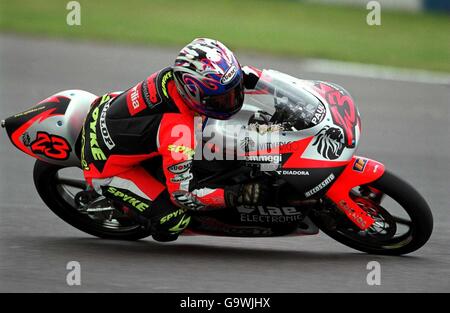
(59, 192)
(403, 220)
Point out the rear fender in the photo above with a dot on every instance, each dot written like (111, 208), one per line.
(49, 131)
(358, 172)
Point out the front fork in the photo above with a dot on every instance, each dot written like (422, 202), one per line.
(359, 171)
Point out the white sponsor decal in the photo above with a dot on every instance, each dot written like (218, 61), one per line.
(294, 172)
(319, 114)
(181, 178)
(270, 219)
(264, 158)
(276, 211)
(180, 167)
(319, 187)
(375, 169)
(104, 129)
(229, 75)
(262, 214)
(135, 97)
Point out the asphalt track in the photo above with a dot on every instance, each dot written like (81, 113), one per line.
(405, 126)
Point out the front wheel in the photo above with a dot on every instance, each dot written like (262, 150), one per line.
(403, 219)
(59, 190)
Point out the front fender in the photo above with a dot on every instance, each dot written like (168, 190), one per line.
(359, 171)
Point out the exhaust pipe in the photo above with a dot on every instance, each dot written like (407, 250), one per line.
(3, 123)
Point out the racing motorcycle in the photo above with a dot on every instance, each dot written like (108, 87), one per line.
(297, 137)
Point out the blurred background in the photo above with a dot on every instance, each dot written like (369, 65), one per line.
(413, 33)
(397, 72)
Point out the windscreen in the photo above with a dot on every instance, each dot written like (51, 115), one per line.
(285, 102)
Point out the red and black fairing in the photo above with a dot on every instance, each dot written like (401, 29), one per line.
(359, 171)
(40, 143)
(310, 177)
(333, 179)
(314, 177)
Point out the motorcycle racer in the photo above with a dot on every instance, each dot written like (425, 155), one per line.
(156, 118)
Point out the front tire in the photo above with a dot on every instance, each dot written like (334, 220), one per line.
(384, 243)
(52, 189)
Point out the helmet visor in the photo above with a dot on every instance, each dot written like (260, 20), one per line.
(224, 106)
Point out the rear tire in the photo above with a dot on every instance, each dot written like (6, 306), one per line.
(410, 200)
(45, 179)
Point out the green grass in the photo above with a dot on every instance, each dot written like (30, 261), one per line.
(282, 27)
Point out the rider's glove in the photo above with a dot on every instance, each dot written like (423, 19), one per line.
(247, 194)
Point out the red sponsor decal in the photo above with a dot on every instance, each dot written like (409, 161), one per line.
(15, 137)
(343, 111)
(52, 146)
(135, 101)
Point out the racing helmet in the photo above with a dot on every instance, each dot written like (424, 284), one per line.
(209, 78)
